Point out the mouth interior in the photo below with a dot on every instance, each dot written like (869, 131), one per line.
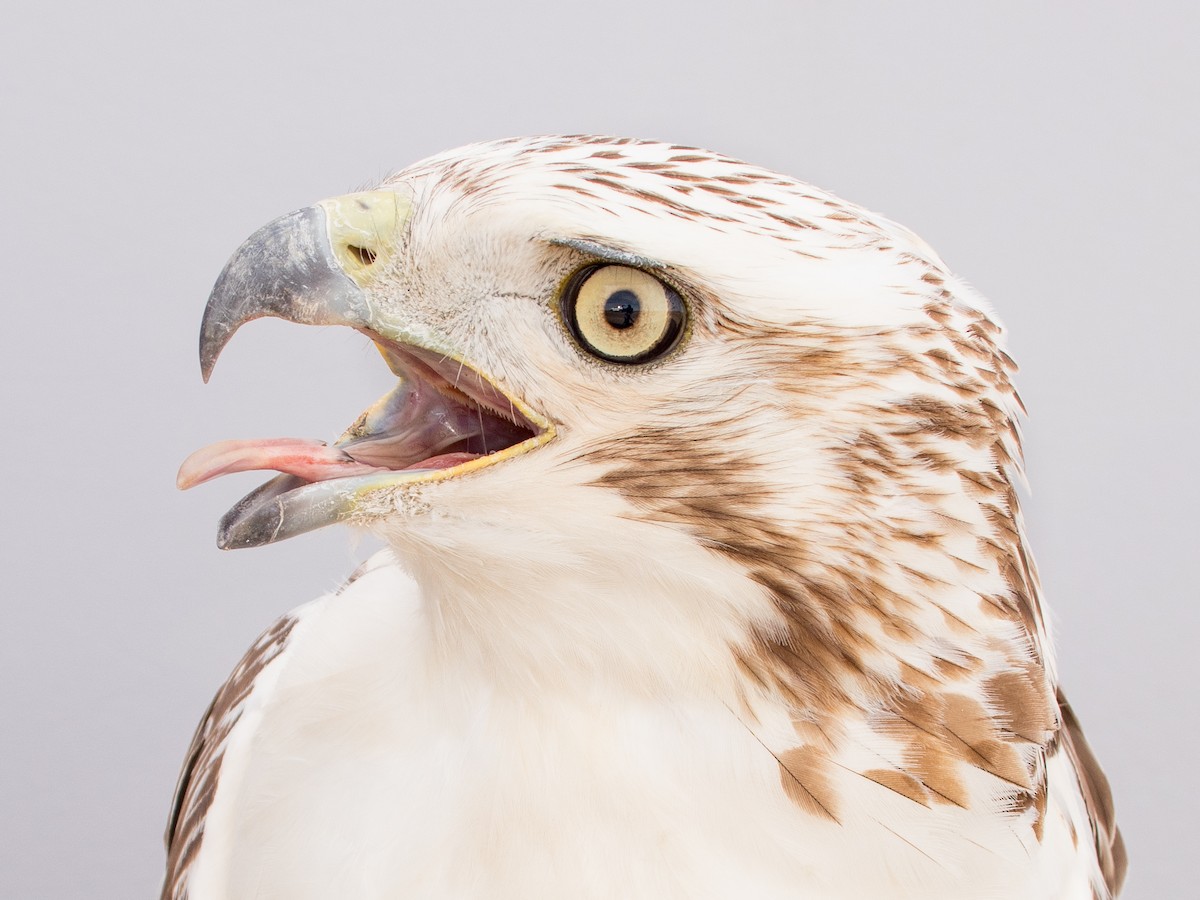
(440, 415)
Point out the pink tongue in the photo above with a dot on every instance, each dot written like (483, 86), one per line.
(307, 459)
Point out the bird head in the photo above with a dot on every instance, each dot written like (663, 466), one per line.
(653, 397)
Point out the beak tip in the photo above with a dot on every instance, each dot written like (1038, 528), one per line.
(225, 538)
(213, 339)
(250, 526)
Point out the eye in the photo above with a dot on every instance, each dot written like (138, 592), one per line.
(622, 314)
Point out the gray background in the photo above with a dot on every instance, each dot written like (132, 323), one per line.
(1047, 150)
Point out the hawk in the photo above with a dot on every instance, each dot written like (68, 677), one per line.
(705, 574)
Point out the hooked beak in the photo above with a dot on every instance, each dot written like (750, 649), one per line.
(329, 264)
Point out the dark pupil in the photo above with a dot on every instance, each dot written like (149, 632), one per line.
(621, 309)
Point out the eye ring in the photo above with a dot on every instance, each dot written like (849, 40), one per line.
(622, 314)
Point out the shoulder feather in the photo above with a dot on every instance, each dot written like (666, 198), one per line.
(1097, 797)
(202, 765)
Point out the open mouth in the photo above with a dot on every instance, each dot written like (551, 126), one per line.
(442, 420)
(321, 265)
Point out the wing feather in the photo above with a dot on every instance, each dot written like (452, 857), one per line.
(1097, 797)
(202, 766)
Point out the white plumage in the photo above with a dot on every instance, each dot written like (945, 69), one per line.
(741, 607)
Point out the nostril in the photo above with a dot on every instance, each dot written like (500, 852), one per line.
(365, 256)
